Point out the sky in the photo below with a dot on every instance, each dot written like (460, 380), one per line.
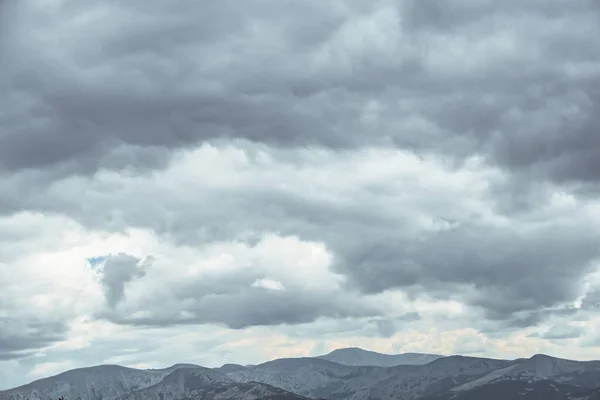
(226, 181)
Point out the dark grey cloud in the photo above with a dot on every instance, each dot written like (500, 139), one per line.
(514, 82)
(591, 300)
(410, 317)
(117, 271)
(561, 332)
(22, 336)
(533, 116)
(80, 118)
(508, 271)
(239, 311)
(564, 333)
(531, 317)
(386, 328)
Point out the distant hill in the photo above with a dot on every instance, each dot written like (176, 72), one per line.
(175, 366)
(227, 368)
(356, 357)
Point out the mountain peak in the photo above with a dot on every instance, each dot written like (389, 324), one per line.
(227, 368)
(175, 367)
(355, 356)
(352, 350)
(182, 365)
(541, 356)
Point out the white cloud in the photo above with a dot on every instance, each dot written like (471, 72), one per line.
(268, 284)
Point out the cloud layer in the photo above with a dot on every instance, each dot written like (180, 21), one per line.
(291, 177)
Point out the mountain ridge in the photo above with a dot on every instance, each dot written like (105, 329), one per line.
(358, 356)
(445, 377)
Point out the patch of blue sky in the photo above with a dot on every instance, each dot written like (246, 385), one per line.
(96, 260)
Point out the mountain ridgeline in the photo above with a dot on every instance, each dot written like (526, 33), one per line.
(352, 374)
(359, 357)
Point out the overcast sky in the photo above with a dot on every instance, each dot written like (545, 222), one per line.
(235, 181)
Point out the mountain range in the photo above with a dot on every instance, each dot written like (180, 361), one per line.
(351, 373)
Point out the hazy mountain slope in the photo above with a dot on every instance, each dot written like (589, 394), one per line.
(311, 377)
(542, 367)
(208, 384)
(315, 377)
(537, 390)
(95, 383)
(358, 357)
(409, 382)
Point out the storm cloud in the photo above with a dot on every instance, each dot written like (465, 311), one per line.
(505, 81)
